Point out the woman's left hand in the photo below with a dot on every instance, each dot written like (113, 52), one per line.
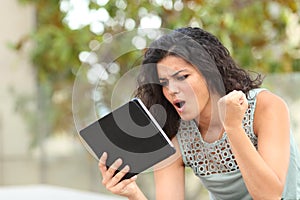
(232, 108)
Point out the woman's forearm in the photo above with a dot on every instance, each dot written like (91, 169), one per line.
(260, 179)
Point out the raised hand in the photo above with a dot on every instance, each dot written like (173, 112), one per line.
(232, 108)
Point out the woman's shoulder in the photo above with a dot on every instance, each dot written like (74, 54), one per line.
(266, 100)
(269, 107)
(263, 99)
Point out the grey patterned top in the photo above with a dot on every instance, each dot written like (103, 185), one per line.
(215, 165)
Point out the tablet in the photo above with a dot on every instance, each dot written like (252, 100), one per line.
(131, 133)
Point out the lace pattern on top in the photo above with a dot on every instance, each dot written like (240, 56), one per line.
(212, 158)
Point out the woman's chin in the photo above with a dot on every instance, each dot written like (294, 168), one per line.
(185, 117)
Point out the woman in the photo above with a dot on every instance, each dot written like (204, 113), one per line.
(233, 134)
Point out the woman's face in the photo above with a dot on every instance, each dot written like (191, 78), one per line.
(183, 86)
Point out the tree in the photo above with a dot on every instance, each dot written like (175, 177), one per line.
(259, 34)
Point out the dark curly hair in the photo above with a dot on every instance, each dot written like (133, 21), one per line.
(204, 51)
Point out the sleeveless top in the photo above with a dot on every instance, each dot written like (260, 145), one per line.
(215, 164)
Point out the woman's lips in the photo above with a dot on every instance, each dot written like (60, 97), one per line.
(179, 105)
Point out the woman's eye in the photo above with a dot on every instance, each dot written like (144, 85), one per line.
(181, 78)
(164, 83)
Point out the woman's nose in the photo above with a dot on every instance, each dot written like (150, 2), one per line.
(173, 88)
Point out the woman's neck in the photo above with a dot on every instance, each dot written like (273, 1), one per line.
(209, 123)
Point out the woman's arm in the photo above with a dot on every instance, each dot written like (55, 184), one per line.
(169, 180)
(264, 171)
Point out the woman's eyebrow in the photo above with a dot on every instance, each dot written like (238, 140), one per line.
(162, 79)
(175, 74)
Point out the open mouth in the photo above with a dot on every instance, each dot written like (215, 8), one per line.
(179, 104)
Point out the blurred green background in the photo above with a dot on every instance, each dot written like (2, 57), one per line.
(45, 43)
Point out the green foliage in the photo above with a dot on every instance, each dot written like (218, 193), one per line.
(255, 32)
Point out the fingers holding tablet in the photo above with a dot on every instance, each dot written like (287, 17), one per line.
(111, 177)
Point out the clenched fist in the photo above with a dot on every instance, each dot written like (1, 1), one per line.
(232, 108)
